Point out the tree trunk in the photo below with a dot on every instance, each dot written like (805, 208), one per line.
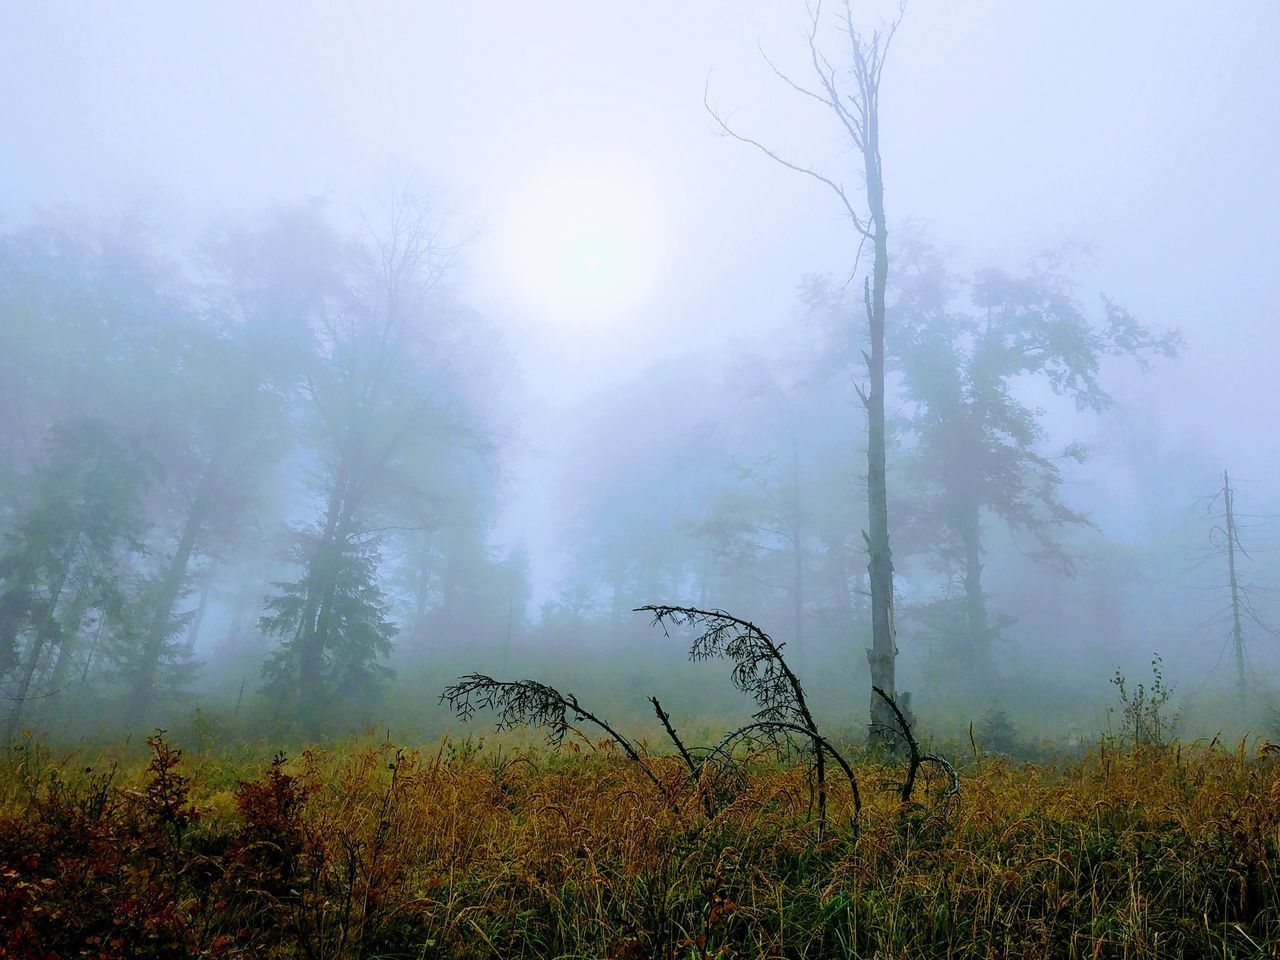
(858, 112)
(197, 617)
(1237, 631)
(313, 625)
(168, 590)
(44, 632)
(884, 649)
(34, 655)
(977, 623)
(797, 547)
(56, 678)
(421, 599)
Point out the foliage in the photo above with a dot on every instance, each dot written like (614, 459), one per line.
(758, 667)
(63, 564)
(338, 606)
(979, 440)
(943, 625)
(970, 353)
(1145, 718)
(517, 703)
(760, 671)
(996, 732)
(376, 851)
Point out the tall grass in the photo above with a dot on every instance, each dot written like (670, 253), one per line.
(459, 851)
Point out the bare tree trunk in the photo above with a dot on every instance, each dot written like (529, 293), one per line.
(171, 584)
(312, 673)
(93, 650)
(857, 112)
(884, 647)
(1237, 631)
(797, 545)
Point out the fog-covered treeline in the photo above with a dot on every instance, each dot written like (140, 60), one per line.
(272, 456)
(261, 476)
(294, 462)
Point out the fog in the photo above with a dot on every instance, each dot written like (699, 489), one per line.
(348, 348)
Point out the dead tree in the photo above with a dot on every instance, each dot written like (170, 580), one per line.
(1227, 544)
(724, 751)
(695, 767)
(915, 759)
(852, 97)
(1237, 631)
(528, 702)
(760, 671)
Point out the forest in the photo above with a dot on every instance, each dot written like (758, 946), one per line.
(473, 484)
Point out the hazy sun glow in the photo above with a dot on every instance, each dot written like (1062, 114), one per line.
(581, 238)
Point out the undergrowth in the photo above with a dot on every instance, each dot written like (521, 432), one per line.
(475, 851)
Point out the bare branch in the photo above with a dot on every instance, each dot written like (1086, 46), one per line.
(915, 758)
(519, 702)
(759, 670)
(805, 91)
(855, 124)
(725, 749)
(837, 189)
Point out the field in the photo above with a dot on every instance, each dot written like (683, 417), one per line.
(463, 850)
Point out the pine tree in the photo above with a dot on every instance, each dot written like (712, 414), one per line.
(332, 625)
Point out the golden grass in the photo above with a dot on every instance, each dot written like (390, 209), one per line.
(450, 852)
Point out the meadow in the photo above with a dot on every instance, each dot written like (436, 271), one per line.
(500, 848)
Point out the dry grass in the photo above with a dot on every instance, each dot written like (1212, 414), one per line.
(453, 852)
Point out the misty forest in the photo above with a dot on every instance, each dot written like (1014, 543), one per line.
(640, 481)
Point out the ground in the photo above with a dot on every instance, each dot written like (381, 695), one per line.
(501, 850)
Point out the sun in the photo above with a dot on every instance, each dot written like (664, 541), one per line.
(580, 239)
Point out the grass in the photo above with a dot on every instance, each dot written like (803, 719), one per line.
(512, 851)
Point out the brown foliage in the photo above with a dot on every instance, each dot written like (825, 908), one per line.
(376, 852)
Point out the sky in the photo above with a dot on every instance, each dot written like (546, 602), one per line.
(1148, 130)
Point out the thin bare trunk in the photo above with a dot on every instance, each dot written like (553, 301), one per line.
(1237, 630)
(857, 111)
(797, 546)
(884, 648)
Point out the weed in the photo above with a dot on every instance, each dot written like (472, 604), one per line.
(1145, 718)
(378, 852)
